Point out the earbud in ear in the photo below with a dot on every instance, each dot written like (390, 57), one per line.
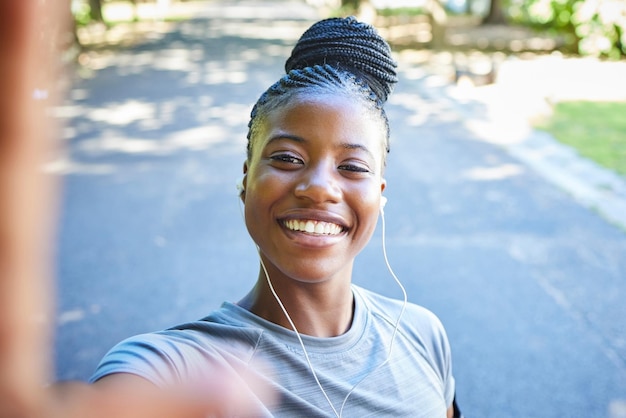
(240, 187)
(383, 202)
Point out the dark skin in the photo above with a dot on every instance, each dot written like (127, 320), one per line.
(27, 202)
(319, 160)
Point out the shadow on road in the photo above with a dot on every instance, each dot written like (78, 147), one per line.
(529, 284)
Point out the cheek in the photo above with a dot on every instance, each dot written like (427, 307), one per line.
(264, 183)
(366, 205)
(262, 190)
(255, 205)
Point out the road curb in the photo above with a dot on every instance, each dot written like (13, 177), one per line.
(593, 186)
(505, 121)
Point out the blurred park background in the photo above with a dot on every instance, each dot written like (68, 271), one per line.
(468, 41)
(506, 181)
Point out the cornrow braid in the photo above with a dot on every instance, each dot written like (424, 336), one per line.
(351, 45)
(336, 56)
(314, 80)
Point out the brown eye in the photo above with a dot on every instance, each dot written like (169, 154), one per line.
(286, 159)
(354, 168)
(350, 167)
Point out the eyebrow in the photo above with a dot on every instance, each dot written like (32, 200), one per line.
(290, 137)
(300, 140)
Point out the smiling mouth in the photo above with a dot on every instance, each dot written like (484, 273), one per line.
(313, 227)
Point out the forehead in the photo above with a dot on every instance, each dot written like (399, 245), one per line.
(323, 119)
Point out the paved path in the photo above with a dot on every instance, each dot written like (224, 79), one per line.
(529, 283)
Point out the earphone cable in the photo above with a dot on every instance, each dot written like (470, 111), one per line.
(293, 326)
(397, 325)
(298, 336)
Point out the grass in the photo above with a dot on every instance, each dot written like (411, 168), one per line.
(597, 130)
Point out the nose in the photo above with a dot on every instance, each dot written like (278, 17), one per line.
(319, 184)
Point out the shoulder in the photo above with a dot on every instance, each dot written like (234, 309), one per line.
(418, 325)
(421, 331)
(415, 316)
(172, 355)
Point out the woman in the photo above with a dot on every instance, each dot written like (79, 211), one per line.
(312, 191)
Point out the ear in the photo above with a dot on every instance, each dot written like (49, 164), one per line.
(244, 182)
(383, 199)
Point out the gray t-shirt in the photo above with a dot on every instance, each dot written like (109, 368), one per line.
(416, 381)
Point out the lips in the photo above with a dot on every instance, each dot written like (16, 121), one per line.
(313, 227)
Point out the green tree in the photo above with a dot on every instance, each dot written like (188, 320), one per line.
(591, 27)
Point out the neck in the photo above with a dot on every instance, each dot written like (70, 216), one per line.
(318, 309)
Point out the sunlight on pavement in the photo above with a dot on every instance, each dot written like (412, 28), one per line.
(175, 59)
(283, 30)
(422, 109)
(71, 316)
(231, 77)
(64, 166)
(494, 173)
(194, 139)
(125, 113)
(525, 91)
(617, 409)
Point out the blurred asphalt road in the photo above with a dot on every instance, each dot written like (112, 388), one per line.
(529, 283)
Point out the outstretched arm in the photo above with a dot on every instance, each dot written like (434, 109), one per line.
(25, 205)
(29, 32)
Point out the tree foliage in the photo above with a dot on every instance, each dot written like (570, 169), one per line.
(594, 27)
(81, 12)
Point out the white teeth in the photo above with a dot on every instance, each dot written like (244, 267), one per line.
(313, 227)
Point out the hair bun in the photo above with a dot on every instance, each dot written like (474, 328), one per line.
(347, 44)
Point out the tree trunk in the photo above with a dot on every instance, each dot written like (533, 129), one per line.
(95, 11)
(496, 14)
(135, 11)
(438, 19)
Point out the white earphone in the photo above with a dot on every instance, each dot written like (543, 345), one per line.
(338, 413)
(240, 187)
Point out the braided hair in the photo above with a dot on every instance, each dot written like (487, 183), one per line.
(337, 56)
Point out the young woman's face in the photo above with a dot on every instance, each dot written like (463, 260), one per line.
(313, 186)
